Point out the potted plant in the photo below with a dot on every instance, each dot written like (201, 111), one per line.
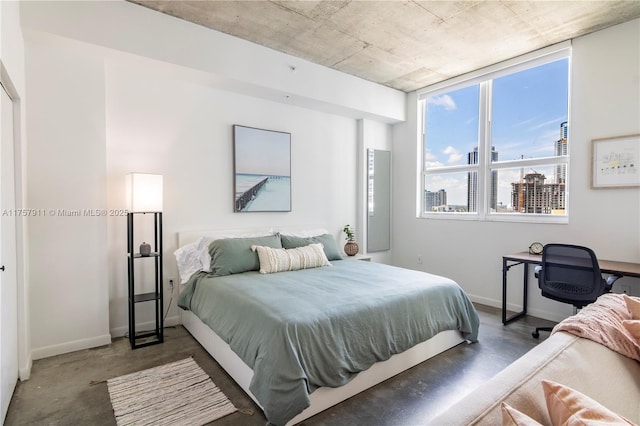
(351, 247)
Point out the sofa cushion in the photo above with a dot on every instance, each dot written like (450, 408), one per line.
(513, 417)
(567, 406)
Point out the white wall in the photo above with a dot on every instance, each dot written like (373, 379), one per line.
(105, 103)
(605, 95)
(183, 130)
(66, 172)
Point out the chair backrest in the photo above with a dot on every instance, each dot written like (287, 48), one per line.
(570, 274)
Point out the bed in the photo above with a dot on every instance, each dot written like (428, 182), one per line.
(301, 341)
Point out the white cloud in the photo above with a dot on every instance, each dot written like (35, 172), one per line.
(431, 160)
(432, 164)
(444, 101)
(454, 183)
(454, 155)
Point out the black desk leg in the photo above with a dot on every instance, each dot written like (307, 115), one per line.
(504, 291)
(525, 286)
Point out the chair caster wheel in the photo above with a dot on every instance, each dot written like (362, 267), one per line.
(535, 335)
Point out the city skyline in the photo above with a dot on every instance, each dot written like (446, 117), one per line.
(528, 110)
(530, 194)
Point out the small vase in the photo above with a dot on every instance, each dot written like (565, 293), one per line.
(145, 249)
(351, 248)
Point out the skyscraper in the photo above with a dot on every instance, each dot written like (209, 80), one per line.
(560, 173)
(434, 199)
(472, 182)
(533, 195)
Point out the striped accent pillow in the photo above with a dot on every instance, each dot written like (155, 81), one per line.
(279, 260)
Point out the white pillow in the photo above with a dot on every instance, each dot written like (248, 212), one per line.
(188, 259)
(279, 259)
(194, 257)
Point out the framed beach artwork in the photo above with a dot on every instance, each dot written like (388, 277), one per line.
(262, 170)
(615, 162)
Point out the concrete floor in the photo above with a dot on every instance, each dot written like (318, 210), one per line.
(70, 389)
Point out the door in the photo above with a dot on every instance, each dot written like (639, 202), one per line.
(8, 277)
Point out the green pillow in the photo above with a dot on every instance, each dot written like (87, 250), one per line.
(234, 255)
(328, 243)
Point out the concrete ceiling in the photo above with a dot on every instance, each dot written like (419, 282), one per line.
(406, 45)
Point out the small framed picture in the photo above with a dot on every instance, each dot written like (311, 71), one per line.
(615, 162)
(262, 170)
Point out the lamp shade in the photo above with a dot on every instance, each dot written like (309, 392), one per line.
(144, 192)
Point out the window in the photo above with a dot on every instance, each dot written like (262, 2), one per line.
(495, 144)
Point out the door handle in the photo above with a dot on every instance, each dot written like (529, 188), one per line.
(2, 268)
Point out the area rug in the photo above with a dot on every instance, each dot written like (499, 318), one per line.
(179, 393)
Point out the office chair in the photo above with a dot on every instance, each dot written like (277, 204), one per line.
(570, 274)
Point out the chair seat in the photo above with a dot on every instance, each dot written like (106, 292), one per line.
(568, 288)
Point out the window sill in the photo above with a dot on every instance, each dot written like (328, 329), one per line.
(497, 217)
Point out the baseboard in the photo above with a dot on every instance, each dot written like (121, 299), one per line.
(77, 345)
(168, 322)
(488, 302)
(532, 311)
(551, 316)
(25, 372)
(173, 321)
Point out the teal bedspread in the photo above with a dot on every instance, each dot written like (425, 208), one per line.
(317, 327)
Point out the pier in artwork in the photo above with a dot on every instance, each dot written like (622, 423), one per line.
(247, 191)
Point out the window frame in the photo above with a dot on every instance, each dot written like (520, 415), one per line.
(484, 78)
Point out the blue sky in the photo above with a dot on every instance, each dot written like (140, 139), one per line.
(262, 152)
(528, 108)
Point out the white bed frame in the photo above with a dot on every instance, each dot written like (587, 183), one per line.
(324, 397)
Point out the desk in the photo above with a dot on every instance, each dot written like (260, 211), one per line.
(625, 269)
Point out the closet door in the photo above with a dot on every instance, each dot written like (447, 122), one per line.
(8, 278)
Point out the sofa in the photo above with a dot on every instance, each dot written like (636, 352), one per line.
(578, 357)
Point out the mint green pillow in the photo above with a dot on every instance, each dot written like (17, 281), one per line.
(234, 255)
(328, 243)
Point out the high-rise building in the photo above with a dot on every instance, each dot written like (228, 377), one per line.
(560, 173)
(433, 200)
(533, 195)
(472, 182)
